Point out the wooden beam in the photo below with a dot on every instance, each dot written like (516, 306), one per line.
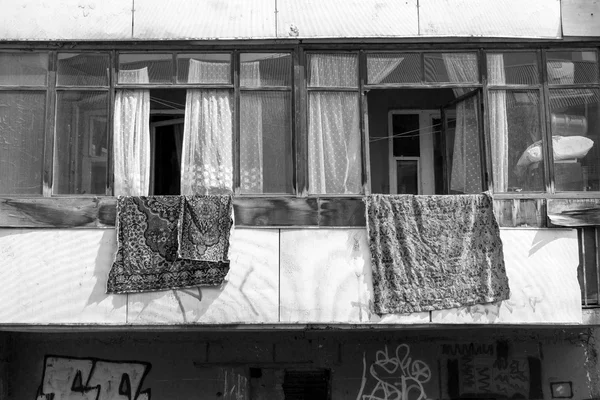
(273, 211)
(325, 212)
(337, 212)
(574, 212)
(58, 212)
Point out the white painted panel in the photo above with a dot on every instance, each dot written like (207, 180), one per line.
(346, 18)
(581, 17)
(204, 19)
(490, 18)
(58, 276)
(248, 295)
(326, 277)
(541, 265)
(66, 20)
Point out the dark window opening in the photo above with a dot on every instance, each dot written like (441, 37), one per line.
(167, 108)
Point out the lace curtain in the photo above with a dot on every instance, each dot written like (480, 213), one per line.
(251, 134)
(466, 159)
(207, 154)
(132, 136)
(498, 123)
(334, 127)
(380, 67)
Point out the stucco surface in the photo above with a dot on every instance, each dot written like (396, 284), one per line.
(65, 20)
(276, 276)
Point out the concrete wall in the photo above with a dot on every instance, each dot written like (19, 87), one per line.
(292, 276)
(282, 19)
(411, 365)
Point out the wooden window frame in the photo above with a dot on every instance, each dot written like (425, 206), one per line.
(297, 209)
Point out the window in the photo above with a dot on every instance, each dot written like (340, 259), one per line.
(23, 92)
(535, 149)
(81, 142)
(424, 119)
(515, 125)
(334, 141)
(100, 122)
(159, 117)
(573, 102)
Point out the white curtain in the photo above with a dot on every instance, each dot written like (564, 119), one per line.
(334, 127)
(498, 123)
(466, 158)
(251, 133)
(131, 146)
(207, 158)
(379, 67)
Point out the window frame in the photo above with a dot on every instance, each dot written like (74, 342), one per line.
(266, 210)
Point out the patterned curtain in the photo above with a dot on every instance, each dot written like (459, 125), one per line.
(207, 154)
(131, 146)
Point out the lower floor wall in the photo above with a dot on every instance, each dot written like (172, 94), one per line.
(481, 363)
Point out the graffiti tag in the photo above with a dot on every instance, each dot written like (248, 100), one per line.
(67, 378)
(394, 376)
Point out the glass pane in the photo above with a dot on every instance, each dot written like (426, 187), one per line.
(265, 69)
(83, 69)
(23, 69)
(575, 124)
(332, 70)
(204, 68)
(81, 148)
(405, 129)
(451, 67)
(334, 158)
(569, 67)
(513, 69)
(22, 119)
(393, 68)
(516, 136)
(149, 68)
(265, 142)
(463, 151)
(407, 173)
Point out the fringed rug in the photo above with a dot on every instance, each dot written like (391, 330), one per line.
(170, 242)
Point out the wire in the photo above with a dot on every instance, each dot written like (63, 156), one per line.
(406, 134)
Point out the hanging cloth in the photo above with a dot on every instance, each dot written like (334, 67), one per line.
(434, 252)
(170, 242)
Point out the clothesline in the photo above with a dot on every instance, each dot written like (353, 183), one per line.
(406, 133)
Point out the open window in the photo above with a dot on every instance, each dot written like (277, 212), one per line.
(430, 143)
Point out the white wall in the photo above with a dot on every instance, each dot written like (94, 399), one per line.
(282, 19)
(294, 276)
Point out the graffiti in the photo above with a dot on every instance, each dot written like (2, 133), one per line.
(67, 378)
(467, 349)
(394, 376)
(486, 369)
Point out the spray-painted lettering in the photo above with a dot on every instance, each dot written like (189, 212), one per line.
(394, 376)
(67, 378)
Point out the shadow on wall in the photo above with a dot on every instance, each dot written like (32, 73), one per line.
(106, 251)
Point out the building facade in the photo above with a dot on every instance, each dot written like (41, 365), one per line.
(301, 109)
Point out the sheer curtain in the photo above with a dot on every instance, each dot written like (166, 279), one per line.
(334, 127)
(380, 67)
(207, 157)
(251, 133)
(131, 146)
(466, 159)
(498, 123)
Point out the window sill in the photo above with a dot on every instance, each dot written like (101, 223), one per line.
(259, 211)
(288, 212)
